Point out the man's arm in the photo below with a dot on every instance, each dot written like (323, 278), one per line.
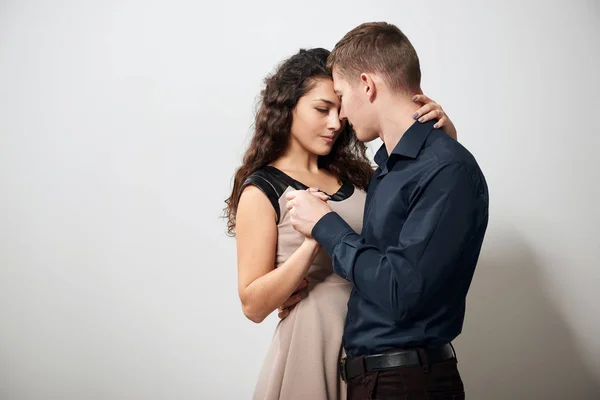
(403, 277)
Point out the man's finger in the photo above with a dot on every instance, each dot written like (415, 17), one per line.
(291, 195)
(321, 196)
(303, 285)
(283, 313)
(293, 300)
(318, 193)
(290, 204)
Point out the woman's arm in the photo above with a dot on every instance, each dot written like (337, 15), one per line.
(262, 287)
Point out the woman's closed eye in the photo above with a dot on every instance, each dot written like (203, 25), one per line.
(322, 110)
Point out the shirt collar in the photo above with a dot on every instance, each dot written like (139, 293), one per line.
(409, 146)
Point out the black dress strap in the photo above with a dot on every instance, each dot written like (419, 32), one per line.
(270, 184)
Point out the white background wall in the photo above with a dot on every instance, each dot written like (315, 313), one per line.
(121, 123)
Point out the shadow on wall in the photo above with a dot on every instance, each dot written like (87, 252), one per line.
(515, 344)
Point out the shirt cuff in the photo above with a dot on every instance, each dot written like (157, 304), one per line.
(330, 230)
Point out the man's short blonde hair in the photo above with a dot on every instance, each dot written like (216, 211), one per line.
(378, 47)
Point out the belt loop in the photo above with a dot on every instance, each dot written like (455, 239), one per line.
(424, 359)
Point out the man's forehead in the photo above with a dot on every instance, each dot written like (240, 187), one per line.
(335, 73)
(338, 82)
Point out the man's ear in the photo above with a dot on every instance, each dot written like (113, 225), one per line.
(368, 86)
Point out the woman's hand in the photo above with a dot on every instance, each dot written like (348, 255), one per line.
(432, 110)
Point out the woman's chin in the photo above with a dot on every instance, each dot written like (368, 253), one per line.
(324, 150)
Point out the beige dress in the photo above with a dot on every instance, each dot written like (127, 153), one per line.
(302, 360)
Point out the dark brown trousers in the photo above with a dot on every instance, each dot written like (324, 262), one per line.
(436, 381)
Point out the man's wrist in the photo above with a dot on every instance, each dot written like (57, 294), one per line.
(330, 230)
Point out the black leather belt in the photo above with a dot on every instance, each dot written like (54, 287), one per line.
(355, 366)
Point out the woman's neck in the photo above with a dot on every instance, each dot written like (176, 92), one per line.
(296, 158)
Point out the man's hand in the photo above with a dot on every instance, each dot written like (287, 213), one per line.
(306, 209)
(294, 299)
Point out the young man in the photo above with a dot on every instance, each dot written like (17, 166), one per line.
(425, 219)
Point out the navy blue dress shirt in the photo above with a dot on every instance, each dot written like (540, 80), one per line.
(425, 218)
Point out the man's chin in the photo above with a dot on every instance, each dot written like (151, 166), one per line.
(366, 137)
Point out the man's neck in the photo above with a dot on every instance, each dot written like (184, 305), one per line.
(396, 118)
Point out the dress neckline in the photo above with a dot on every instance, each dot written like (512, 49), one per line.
(344, 192)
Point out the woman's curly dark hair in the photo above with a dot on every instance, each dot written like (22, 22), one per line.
(295, 77)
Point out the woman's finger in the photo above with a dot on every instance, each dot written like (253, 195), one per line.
(424, 110)
(421, 98)
(433, 114)
(442, 122)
